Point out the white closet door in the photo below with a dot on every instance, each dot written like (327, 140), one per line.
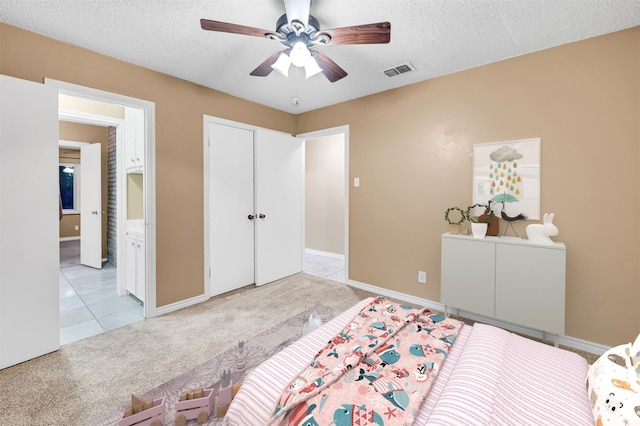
(29, 222)
(231, 203)
(279, 198)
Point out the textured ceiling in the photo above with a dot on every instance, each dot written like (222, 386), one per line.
(437, 37)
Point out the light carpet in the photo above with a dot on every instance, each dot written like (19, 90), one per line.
(207, 375)
(87, 378)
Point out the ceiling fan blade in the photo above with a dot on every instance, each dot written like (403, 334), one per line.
(378, 33)
(297, 10)
(264, 69)
(225, 27)
(330, 69)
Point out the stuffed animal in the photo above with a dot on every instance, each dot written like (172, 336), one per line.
(540, 232)
(613, 386)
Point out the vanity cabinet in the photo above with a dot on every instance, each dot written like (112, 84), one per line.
(509, 279)
(135, 265)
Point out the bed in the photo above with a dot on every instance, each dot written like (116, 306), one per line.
(489, 377)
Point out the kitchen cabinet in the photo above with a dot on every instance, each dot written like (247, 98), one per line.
(509, 279)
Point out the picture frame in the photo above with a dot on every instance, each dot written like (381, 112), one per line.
(508, 174)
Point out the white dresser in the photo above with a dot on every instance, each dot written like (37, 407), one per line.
(509, 279)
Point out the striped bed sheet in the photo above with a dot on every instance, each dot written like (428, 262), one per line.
(490, 377)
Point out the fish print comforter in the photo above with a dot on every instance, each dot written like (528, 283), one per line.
(376, 371)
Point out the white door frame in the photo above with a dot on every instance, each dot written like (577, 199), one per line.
(149, 179)
(329, 132)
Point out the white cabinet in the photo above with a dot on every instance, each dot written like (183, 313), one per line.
(134, 140)
(509, 279)
(468, 275)
(135, 265)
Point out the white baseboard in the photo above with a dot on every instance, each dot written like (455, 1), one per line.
(180, 305)
(69, 238)
(571, 342)
(324, 253)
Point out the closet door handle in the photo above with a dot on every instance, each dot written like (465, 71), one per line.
(262, 216)
(251, 217)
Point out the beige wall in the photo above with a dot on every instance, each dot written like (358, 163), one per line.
(324, 194)
(93, 134)
(72, 103)
(179, 165)
(135, 196)
(412, 149)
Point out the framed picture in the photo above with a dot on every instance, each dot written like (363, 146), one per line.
(508, 175)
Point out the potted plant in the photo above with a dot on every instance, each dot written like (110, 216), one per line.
(454, 217)
(480, 225)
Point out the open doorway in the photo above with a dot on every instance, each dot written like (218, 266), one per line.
(142, 167)
(326, 203)
(90, 303)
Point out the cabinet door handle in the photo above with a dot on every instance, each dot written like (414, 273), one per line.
(251, 217)
(262, 216)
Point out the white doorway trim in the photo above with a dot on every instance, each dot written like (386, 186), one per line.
(329, 132)
(150, 308)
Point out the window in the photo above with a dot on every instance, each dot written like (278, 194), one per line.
(68, 175)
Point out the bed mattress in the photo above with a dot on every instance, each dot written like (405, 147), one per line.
(490, 377)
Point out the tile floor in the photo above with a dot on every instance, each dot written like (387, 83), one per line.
(89, 304)
(88, 301)
(324, 266)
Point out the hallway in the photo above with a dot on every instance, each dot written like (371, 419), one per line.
(88, 301)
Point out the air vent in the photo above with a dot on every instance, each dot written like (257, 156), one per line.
(399, 69)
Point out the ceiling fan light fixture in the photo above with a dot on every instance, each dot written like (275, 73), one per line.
(282, 64)
(311, 68)
(299, 55)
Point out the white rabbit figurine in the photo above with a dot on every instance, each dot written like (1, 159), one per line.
(540, 233)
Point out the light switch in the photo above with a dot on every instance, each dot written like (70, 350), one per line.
(356, 182)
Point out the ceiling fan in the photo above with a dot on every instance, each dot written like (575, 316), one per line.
(301, 34)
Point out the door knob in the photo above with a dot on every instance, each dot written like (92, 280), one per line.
(262, 216)
(251, 217)
(94, 212)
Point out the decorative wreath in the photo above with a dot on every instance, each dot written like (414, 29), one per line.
(463, 216)
(469, 211)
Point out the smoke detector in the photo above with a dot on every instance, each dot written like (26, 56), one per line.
(295, 101)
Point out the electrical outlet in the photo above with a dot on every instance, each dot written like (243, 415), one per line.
(76, 227)
(422, 277)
